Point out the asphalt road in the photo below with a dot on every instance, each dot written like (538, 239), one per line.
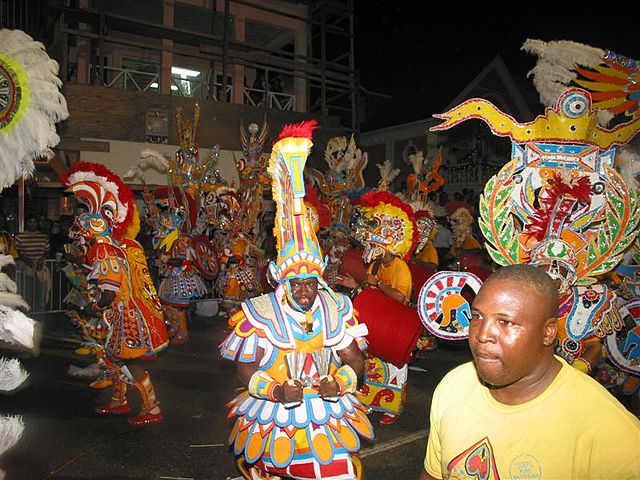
(65, 439)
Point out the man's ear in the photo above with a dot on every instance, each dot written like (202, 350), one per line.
(550, 331)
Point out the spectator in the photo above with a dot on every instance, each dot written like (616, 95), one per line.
(33, 247)
(520, 417)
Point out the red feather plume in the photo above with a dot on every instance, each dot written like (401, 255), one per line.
(298, 130)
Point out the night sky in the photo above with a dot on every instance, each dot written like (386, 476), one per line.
(424, 54)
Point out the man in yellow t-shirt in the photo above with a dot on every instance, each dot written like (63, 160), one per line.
(519, 411)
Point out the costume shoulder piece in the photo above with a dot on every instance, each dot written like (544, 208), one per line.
(265, 313)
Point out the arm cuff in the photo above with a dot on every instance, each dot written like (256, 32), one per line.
(262, 385)
(347, 379)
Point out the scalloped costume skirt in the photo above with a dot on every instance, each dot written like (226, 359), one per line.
(313, 440)
(178, 290)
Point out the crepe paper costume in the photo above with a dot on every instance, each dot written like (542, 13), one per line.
(318, 437)
(117, 264)
(346, 164)
(384, 223)
(426, 176)
(30, 105)
(559, 203)
(238, 223)
(175, 211)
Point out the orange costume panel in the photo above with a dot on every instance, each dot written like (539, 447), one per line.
(136, 325)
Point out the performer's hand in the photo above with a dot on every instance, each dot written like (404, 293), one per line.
(370, 280)
(328, 388)
(289, 391)
(346, 280)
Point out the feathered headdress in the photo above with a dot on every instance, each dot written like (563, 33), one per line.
(612, 79)
(104, 193)
(388, 222)
(31, 104)
(299, 253)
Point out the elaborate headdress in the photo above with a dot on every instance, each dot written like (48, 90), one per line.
(571, 205)
(30, 107)
(385, 223)
(299, 253)
(104, 194)
(612, 79)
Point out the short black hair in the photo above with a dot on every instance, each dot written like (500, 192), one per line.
(535, 277)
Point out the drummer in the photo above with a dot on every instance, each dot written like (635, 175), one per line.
(385, 248)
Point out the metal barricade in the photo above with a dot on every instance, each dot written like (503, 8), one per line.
(44, 291)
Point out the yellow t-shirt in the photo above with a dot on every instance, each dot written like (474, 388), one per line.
(574, 430)
(397, 275)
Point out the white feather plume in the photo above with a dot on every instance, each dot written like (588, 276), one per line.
(387, 172)
(556, 66)
(17, 329)
(11, 428)
(6, 260)
(13, 300)
(12, 375)
(7, 284)
(628, 160)
(32, 133)
(149, 159)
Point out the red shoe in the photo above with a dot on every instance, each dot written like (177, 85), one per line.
(146, 419)
(388, 419)
(109, 409)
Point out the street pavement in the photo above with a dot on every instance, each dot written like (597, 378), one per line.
(65, 440)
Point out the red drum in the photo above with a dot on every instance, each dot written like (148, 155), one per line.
(394, 328)
(419, 275)
(352, 263)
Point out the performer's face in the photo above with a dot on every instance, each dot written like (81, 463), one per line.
(304, 291)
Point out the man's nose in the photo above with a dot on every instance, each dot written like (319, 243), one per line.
(485, 331)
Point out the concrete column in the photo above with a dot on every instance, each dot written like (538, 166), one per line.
(238, 70)
(166, 58)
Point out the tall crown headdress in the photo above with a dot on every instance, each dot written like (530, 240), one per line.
(299, 253)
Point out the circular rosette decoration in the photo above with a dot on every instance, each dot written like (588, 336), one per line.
(206, 257)
(30, 105)
(444, 303)
(623, 347)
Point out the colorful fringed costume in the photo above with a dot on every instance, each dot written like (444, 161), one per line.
(386, 227)
(119, 271)
(174, 214)
(285, 344)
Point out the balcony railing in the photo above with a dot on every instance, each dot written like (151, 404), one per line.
(128, 79)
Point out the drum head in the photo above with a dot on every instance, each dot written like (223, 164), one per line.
(444, 304)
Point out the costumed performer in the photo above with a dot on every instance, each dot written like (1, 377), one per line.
(296, 349)
(125, 294)
(386, 227)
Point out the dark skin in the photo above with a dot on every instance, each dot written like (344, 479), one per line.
(304, 292)
(511, 336)
(372, 281)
